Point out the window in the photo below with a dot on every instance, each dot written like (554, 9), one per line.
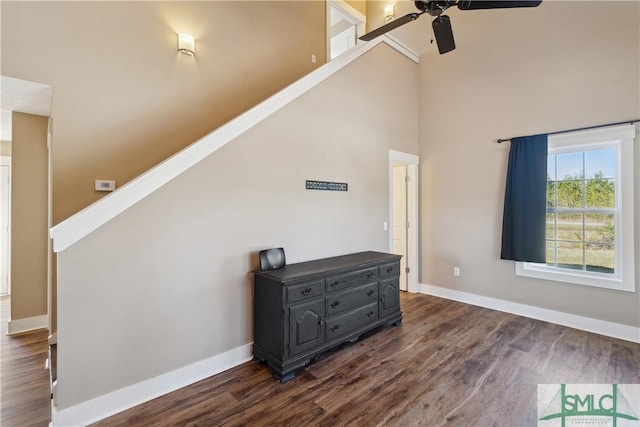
(590, 220)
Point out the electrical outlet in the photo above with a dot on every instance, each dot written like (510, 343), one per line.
(456, 271)
(313, 58)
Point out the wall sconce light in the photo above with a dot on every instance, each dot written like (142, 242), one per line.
(389, 13)
(186, 44)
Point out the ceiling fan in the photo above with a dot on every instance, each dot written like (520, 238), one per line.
(442, 24)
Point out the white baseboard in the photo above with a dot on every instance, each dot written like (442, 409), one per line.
(27, 324)
(112, 403)
(602, 327)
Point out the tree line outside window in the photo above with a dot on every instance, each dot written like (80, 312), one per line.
(581, 206)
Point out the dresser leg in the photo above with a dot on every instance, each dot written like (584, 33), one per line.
(354, 339)
(285, 377)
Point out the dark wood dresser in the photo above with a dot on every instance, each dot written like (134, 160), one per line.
(305, 309)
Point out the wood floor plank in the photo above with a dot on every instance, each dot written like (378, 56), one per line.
(624, 363)
(449, 364)
(25, 394)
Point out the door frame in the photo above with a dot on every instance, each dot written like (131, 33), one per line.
(412, 162)
(50, 291)
(6, 161)
(356, 17)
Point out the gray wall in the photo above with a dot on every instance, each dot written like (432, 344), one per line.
(168, 283)
(559, 66)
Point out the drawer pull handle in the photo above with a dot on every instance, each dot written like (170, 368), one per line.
(370, 313)
(306, 291)
(371, 292)
(335, 328)
(389, 269)
(336, 283)
(335, 304)
(370, 274)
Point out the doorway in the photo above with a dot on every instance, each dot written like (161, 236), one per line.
(344, 25)
(403, 214)
(26, 105)
(5, 225)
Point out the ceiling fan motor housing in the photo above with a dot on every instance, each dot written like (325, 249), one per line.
(434, 7)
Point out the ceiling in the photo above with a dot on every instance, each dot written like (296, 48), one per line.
(24, 97)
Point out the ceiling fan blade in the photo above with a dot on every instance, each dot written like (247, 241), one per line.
(444, 34)
(390, 26)
(482, 4)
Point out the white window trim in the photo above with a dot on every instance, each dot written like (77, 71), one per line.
(624, 279)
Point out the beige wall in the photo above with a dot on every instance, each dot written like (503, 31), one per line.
(544, 69)
(29, 230)
(5, 148)
(359, 5)
(125, 99)
(167, 283)
(375, 14)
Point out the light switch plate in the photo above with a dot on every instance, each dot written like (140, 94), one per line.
(105, 185)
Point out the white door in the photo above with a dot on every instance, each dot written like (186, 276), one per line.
(403, 214)
(400, 220)
(5, 200)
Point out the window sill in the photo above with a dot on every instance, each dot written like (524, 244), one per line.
(539, 271)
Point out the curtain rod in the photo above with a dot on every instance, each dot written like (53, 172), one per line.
(500, 141)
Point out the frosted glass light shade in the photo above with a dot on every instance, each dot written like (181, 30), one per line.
(389, 13)
(186, 44)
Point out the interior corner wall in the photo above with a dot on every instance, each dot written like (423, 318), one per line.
(544, 70)
(168, 282)
(29, 222)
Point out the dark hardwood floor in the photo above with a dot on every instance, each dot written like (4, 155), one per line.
(25, 399)
(449, 364)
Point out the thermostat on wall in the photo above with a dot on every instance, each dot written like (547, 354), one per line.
(105, 185)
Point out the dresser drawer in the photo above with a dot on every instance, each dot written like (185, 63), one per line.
(354, 278)
(352, 321)
(352, 298)
(305, 290)
(390, 269)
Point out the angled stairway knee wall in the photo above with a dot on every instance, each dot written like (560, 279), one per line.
(167, 283)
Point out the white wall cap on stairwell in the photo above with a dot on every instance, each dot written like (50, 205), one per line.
(79, 225)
